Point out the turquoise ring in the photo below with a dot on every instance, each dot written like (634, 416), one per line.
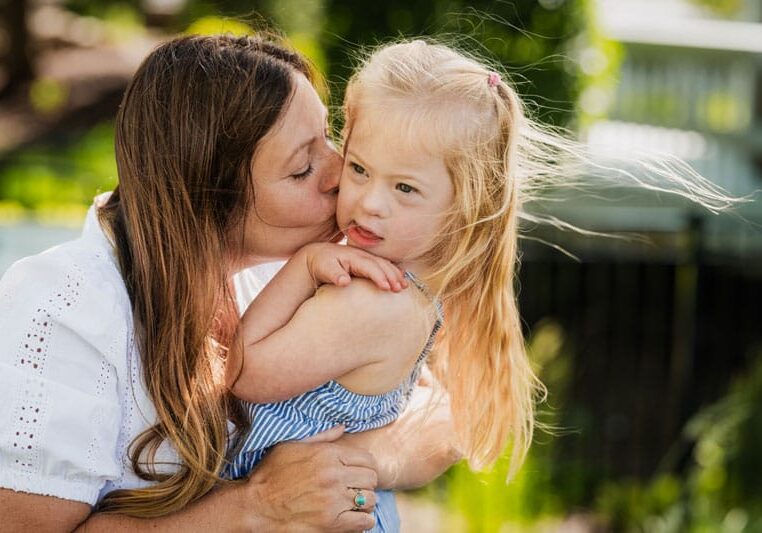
(360, 500)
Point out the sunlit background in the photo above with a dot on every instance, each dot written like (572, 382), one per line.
(650, 342)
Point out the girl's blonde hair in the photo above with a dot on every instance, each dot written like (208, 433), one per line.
(452, 104)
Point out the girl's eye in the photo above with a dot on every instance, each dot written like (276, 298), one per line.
(357, 168)
(404, 187)
(303, 175)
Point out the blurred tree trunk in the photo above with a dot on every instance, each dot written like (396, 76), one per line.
(18, 61)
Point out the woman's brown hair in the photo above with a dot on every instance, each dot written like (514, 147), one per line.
(186, 132)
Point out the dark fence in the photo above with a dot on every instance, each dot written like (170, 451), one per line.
(650, 341)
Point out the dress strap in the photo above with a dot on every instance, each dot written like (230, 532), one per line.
(426, 292)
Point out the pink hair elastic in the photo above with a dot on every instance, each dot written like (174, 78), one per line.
(493, 79)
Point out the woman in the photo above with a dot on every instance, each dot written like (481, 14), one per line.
(113, 356)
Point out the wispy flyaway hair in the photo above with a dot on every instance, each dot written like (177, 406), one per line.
(448, 102)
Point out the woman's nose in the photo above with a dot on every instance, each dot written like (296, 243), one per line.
(330, 180)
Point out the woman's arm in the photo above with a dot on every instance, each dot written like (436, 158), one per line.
(295, 283)
(417, 447)
(298, 486)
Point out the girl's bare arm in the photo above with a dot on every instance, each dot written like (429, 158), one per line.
(296, 282)
(338, 330)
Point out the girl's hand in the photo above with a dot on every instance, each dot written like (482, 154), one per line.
(336, 264)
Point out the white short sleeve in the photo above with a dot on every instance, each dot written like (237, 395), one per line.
(248, 283)
(62, 335)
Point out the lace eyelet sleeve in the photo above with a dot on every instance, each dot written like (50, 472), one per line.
(63, 336)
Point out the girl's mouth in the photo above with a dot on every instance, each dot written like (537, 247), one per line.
(363, 236)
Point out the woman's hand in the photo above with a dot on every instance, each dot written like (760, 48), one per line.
(311, 486)
(336, 264)
(299, 486)
(418, 446)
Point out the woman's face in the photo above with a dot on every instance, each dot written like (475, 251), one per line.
(295, 171)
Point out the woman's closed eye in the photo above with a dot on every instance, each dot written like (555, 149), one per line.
(305, 174)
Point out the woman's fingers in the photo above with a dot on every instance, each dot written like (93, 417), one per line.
(360, 478)
(308, 486)
(355, 521)
(366, 499)
(329, 435)
(351, 456)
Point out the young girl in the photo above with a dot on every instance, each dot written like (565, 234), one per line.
(434, 177)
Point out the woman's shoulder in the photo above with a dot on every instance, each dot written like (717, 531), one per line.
(67, 335)
(72, 290)
(74, 277)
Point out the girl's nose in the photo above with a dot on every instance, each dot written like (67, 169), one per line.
(373, 202)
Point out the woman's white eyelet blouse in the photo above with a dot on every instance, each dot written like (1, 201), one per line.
(71, 393)
(72, 397)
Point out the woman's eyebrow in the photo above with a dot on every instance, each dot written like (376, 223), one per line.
(299, 148)
(307, 142)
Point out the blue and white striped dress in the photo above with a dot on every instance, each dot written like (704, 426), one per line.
(324, 407)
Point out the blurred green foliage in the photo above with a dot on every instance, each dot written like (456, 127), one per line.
(56, 183)
(534, 41)
(210, 25)
(559, 59)
(47, 95)
(721, 7)
(488, 501)
(719, 491)
(122, 20)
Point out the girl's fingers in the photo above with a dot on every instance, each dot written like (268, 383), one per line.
(335, 273)
(384, 274)
(394, 276)
(375, 273)
(369, 268)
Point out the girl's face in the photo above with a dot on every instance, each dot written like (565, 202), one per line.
(393, 197)
(296, 171)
